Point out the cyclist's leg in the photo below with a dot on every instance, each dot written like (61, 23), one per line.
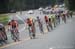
(13, 34)
(14, 37)
(30, 34)
(42, 28)
(33, 34)
(64, 19)
(56, 21)
(17, 35)
(4, 40)
(47, 26)
(54, 24)
(51, 26)
(29, 31)
(59, 20)
(1, 41)
(33, 31)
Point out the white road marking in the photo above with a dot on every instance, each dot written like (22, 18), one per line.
(50, 48)
(15, 43)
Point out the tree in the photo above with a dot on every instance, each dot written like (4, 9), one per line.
(70, 4)
(3, 6)
(66, 3)
(53, 2)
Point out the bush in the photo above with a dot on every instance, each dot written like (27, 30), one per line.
(4, 19)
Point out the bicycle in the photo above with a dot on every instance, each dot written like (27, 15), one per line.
(15, 34)
(31, 32)
(3, 38)
(41, 28)
(47, 26)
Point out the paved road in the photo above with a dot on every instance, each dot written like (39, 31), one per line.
(62, 37)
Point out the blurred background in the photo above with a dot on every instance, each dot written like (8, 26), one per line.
(9, 6)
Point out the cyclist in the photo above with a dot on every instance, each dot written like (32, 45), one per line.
(50, 24)
(13, 24)
(53, 20)
(57, 18)
(47, 22)
(31, 27)
(64, 17)
(3, 36)
(40, 24)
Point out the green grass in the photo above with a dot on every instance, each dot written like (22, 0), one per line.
(4, 19)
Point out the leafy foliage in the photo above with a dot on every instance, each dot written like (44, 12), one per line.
(70, 4)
